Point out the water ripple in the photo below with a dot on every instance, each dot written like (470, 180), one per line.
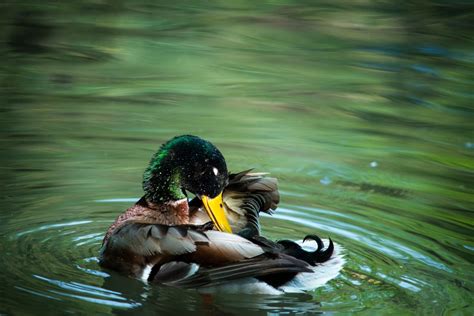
(49, 226)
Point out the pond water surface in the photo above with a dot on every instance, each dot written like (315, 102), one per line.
(363, 111)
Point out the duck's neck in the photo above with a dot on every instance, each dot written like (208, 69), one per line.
(162, 183)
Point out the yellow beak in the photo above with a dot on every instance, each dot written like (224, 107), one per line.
(215, 210)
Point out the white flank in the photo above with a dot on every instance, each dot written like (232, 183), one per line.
(247, 286)
(146, 273)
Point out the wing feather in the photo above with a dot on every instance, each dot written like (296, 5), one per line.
(245, 196)
(254, 267)
(153, 239)
(231, 247)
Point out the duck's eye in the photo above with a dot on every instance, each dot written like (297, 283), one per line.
(216, 172)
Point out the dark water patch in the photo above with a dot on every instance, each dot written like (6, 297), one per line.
(375, 188)
(29, 32)
(28, 170)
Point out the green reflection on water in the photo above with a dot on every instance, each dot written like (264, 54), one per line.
(363, 111)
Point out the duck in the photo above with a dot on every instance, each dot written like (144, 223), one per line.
(212, 238)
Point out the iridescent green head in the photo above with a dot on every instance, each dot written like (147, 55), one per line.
(185, 162)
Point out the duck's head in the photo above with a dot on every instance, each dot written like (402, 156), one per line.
(193, 164)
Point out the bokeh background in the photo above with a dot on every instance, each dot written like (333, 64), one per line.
(362, 109)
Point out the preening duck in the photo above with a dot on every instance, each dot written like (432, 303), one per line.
(211, 240)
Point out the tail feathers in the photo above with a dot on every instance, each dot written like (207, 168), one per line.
(318, 256)
(293, 249)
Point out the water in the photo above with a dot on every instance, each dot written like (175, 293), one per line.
(363, 111)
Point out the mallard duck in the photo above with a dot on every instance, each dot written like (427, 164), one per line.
(210, 240)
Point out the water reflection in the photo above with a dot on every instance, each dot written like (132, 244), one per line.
(364, 115)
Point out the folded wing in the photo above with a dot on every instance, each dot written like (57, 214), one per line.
(134, 246)
(190, 275)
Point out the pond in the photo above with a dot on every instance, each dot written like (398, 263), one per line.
(363, 111)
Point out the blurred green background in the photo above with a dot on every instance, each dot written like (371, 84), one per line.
(362, 109)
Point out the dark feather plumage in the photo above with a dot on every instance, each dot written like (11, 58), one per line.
(291, 248)
(265, 264)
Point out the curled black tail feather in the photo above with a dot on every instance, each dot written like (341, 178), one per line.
(316, 239)
(321, 256)
(311, 257)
